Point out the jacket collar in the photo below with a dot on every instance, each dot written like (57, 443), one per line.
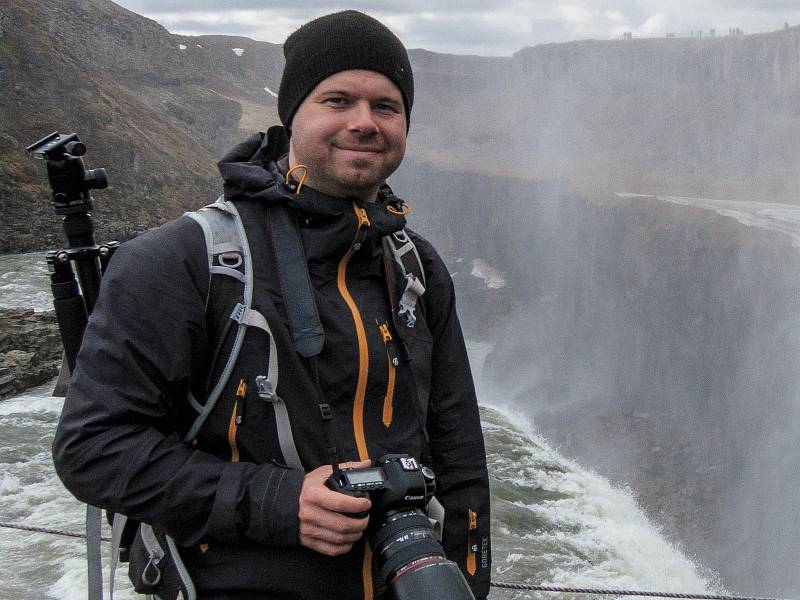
(251, 171)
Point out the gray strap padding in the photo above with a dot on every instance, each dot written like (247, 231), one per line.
(252, 318)
(225, 247)
(307, 332)
(219, 224)
(117, 527)
(183, 573)
(94, 563)
(406, 254)
(408, 303)
(212, 239)
(267, 386)
(266, 391)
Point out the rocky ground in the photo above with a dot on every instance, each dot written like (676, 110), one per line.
(30, 349)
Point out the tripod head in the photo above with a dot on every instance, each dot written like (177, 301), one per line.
(69, 179)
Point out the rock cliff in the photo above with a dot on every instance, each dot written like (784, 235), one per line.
(30, 349)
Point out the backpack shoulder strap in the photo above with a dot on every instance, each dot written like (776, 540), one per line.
(406, 254)
(224, 247)
(407, 258)
(228, 255)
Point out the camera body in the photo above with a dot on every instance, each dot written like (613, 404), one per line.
(396, 482)
(410, 559)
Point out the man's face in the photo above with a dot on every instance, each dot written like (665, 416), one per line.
(350, 132)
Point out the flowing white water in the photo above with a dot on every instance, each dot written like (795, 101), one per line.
(24, 281)
(553, 522)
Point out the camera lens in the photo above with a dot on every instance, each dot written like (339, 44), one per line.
(412, 561)
(435, 578)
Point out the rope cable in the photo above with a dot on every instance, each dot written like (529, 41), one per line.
(496, 584)
(543, 588)
(47, 530)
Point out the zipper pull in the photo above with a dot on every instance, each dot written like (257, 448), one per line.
(363, 219)
(363, 223)
(241, 392)
(472, 547)
(387, 336)
(151, 575)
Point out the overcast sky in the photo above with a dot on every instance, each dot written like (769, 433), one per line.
(484, 27)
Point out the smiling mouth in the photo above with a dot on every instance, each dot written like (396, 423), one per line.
(360, 149)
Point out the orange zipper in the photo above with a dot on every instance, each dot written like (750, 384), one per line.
(363, 355)
(388, 406)
(363, 370)
(233, 427)
(472, 563)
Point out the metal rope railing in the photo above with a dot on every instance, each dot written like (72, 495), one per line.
(496, 584)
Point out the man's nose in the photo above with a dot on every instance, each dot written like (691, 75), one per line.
(361, 118)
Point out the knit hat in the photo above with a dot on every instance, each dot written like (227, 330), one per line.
(340, 42)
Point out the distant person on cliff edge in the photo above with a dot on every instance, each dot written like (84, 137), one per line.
(381, 369)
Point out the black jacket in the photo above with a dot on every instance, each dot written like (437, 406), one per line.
(228, 498)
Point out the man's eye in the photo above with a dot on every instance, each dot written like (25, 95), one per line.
(387, 108)
(335, 101)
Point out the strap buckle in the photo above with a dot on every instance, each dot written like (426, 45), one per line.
(265, 389)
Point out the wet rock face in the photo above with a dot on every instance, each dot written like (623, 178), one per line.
(30, 349)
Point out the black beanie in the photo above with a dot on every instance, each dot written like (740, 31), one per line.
(340, 42)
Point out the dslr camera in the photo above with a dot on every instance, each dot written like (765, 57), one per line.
(410, 559)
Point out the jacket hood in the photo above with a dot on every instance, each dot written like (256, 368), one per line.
(254, 171)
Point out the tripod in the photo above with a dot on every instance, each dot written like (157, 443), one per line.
(73, 298)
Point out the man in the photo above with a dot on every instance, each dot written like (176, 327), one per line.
(249, 525)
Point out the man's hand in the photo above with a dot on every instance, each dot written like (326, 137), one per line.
(324, 522)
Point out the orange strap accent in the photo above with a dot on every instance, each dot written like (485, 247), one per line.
(366, 571)
(242, 389)
(387, 336)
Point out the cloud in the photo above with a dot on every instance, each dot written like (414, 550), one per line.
(654, 25)
(474, 26)
(481, 32)
(253, 23)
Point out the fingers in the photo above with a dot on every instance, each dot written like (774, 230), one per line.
(336, 534)
(362, 464)
(317, 493)
(325, 524)
(325, 548)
